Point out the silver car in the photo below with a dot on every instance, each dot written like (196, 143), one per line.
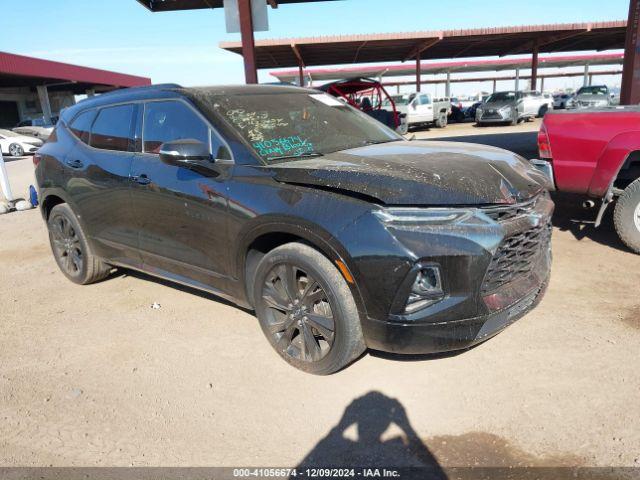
(592, 96)
(513, 107)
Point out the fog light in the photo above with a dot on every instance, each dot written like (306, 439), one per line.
(426, 289)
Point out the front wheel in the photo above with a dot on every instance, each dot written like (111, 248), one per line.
(16, 150)
(306, 310)
(626, 216)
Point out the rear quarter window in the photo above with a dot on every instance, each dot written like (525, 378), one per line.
(81, 125)
(112, 129)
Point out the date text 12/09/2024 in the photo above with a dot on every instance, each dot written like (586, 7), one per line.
(316, 473)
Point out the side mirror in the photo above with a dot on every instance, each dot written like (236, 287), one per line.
(185, 153)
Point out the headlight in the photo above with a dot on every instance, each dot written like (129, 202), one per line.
(420, 216)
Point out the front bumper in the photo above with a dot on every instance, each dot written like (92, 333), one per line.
(487, 288)
(546, 168)
(426, 338)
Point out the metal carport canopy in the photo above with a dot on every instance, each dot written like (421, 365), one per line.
(449, 44)
(21, 71)
(433, 68)
(172, 5)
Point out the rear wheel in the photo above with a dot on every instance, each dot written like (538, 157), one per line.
(16, 150)
(543, 110)
(70, 248)
(306, 310)
(441, 121)
(627, 216)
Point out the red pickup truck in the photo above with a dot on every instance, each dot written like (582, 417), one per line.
(597, 153)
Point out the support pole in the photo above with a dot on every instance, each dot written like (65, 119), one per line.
(248, 42)
(495, 85)
(43, 96)
(534, 66)
(542, 84)
(630, 94)
(448, 87)
(418, 80)
(4, 181)
(517, 80)
(585, 80)
(300, 75)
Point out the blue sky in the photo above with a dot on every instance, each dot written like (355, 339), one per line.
(182, 47)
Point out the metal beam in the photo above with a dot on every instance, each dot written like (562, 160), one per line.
(301, 65)
(248, 41)
(418, 72)
(630, 94)
(534, 66)
(517, 85)
(542, 42)
(422, 47)
(585, 80)
(505, 78)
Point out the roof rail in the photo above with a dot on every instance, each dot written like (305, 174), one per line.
(158, 86)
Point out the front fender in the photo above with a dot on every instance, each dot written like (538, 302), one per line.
(314, 234)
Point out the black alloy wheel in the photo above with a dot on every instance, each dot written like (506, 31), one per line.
(299, 316)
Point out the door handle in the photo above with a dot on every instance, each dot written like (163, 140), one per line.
(75, 163)
(141, 179)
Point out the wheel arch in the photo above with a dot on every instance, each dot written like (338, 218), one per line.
(617, 156)
(262, 239)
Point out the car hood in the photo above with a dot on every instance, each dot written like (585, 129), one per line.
(592, 98)
(419, 173)
(498, 105)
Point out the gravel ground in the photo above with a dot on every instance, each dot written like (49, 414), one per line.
(93, 376)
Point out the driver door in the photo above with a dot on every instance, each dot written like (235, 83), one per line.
(181, 213)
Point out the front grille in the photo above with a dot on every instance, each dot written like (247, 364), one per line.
(488, 115)
(508, 212)
(516, 257)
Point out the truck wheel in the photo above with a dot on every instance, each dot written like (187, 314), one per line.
(306, 310)
(71, 249)
(543, 110)
(627, 216)
(441, 121)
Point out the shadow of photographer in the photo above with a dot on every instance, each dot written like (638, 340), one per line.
(369, 419)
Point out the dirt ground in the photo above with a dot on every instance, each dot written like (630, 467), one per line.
(93, 376)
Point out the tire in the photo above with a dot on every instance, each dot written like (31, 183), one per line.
(71, 249)
(626, 216)
(441, 121)
(328, 301)
(16, 150)
(514, 121)
(543, 110)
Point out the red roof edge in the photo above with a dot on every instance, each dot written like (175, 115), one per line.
(21, 65)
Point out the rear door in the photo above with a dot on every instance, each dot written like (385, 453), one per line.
(99, 185)
(181, 213)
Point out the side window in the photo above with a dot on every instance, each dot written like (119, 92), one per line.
(81, 125)
(424, 100)
(169, 121)
(112, 129)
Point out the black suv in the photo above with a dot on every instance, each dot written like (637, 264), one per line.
(340, 233)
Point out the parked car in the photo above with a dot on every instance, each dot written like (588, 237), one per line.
(597, 153)
(16, 145)
(512, 107)
(423, 109)
(560, 100)
(340, 233)
(35, 127)
(593, 96)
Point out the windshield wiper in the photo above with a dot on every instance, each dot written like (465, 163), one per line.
(289, 157)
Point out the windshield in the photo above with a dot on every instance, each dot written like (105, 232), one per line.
(8, 133)
(294, 125)
(397, 99)
(599, 90)
(502, 97)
